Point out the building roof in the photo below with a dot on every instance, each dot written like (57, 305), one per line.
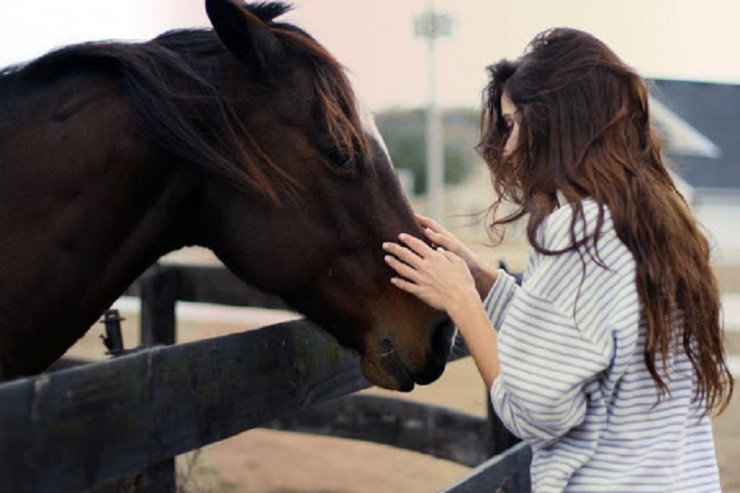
(704, 144)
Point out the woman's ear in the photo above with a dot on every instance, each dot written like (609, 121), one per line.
(245, 35)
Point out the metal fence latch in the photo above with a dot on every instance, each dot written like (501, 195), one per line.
(112, 339)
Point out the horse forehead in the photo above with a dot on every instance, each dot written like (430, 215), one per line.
(367, 120)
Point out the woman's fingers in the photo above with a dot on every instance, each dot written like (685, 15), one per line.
(402, 268)
(432, 275)
(407, 258)
(405, 285)
(430, 225)
(428, 222)
(434, 236)
(406, 255)
(437, 234)
(416, 245)
(443, 238)
(451, 256)
(423, 220)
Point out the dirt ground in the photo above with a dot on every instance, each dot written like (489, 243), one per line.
(265, 461)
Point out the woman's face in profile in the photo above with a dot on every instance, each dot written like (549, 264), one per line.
(510, 116)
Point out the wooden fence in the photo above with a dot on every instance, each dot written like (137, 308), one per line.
(118, 424)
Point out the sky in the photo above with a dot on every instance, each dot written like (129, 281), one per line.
(374, 39)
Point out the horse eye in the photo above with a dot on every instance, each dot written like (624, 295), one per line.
(340, 158)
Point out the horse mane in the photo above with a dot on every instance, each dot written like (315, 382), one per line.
(172, 89)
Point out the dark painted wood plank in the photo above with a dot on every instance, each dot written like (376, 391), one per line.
(210, 284)
(214, 284)
(433, 430)
(505, 473)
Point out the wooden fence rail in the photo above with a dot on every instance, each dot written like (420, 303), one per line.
(441, 432)
(507, 472)
(78, 428)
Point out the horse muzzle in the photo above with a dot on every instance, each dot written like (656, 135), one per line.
(390, 369)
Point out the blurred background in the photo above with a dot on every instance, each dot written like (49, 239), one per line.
(419, 66)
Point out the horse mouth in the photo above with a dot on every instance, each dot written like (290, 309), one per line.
(394, 366)
(387, 367)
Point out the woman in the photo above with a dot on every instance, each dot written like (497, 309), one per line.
(609, 358)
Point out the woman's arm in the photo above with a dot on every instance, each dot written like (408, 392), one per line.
(480, 338)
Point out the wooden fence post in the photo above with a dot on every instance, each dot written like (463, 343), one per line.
(158, 325)
(159, 293)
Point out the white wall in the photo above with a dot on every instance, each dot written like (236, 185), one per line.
(722, 221)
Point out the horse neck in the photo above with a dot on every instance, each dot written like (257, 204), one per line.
(83, 220)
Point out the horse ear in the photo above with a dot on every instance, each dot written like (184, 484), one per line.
(243, 33)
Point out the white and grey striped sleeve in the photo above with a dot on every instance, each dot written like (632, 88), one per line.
(498, 298)
(547, 357)
(545, 364)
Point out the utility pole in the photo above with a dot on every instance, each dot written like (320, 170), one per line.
(431, 26)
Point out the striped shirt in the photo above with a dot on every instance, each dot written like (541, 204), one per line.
(573, 380)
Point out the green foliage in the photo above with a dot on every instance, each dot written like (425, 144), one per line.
(404, 134)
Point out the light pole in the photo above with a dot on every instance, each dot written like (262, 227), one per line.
(431, 25)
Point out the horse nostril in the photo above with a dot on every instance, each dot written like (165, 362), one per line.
(442, 340)
(441, 345)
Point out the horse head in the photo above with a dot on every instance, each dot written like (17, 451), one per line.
(308, 219)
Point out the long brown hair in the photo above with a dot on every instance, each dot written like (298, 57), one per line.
(584, 131)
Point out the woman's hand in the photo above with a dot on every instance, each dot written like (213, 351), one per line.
(442, 279)
(483, 274)
(438, 277)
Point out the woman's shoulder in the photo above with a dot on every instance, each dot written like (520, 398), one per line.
(573, 222)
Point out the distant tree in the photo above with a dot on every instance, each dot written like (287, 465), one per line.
(403, 131)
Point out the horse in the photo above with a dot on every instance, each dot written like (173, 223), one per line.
(245, 138)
